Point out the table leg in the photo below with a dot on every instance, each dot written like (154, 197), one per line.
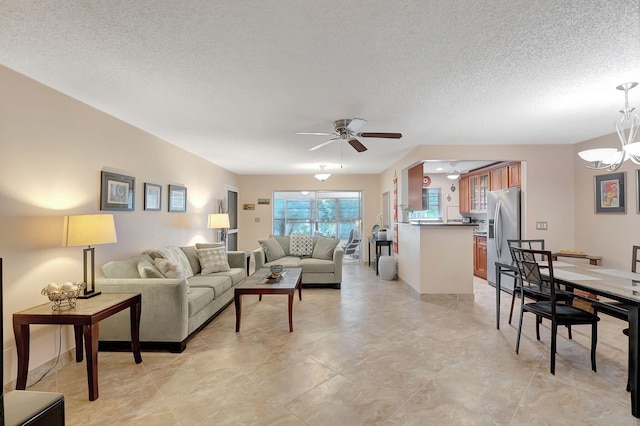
(498, 273)
(77, 333)
(21, 333)
(91, 347)
(134, 320)
(291, 311)
(634, 364)
(238, 304)
(299, 290)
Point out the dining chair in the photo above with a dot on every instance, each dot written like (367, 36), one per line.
(351, 247)
(559, 313)
(528, 244)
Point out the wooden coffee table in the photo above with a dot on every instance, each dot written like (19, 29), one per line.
(256, 284)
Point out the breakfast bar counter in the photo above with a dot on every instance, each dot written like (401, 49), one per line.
(436, 258)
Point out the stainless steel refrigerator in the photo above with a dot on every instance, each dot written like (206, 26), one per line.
(503, 217)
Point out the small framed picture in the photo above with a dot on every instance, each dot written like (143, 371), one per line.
(177, 198)
(610, 193)
(248, 207)
(117, 192)
(264, 201)
(152, 197)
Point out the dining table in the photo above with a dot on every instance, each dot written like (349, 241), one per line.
(613, 284)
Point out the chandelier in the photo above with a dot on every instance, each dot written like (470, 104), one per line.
(322, 176)
(627, 127)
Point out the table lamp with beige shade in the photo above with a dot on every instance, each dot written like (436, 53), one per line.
(219, 221)
(89, 230)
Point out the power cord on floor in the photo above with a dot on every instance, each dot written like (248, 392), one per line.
(55, 364)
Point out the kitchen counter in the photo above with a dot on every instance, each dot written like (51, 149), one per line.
(433, 223)
(437, 258)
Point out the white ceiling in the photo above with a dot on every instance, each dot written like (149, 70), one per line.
(232, 80)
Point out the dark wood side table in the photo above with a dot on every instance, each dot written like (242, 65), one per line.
(379, 244)
(84, 318)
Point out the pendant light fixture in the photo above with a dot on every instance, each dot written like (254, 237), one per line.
(627, 128)
(455, 174)
(322, 176)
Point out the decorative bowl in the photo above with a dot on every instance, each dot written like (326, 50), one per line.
(276, 270)
(64, 293)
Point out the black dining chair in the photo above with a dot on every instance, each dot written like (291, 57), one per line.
(527, 244)
(559, 313)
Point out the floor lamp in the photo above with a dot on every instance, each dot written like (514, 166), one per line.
(221, 222)
(89, 230)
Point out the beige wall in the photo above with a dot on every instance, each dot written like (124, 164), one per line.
(262, 186)
(52, 149)
(609, 235)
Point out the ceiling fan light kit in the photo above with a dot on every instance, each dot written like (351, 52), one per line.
(322, 176)
(627, 128)
(346, 130)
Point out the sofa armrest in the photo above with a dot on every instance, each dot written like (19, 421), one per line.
(165, 310)
(338, 256)
(259, 257)
(237, 259)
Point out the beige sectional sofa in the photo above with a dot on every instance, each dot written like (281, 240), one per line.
(179, 293)
(319, 257)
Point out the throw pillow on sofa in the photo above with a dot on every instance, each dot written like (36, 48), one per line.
(301, 245)
(272, 249)
(324, 248)
(169, 269)
(148, 270)
(213, 260)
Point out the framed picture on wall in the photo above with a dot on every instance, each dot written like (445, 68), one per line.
(610, 193)
(117, 192)
(177, 198)
(152, 197)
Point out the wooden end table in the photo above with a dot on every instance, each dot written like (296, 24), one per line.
(84, 318)
(255, 284)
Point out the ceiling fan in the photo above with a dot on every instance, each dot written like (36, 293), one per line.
(345, 130)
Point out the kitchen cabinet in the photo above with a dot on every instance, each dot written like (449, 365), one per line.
(499, 178)
(514, 170)
(478, 190)
(480, 256)
(463, 193)
(415, 179)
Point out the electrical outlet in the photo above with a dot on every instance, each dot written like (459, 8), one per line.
(257, 220)
(541, 226)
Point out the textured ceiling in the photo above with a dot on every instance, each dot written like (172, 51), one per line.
(231, 81)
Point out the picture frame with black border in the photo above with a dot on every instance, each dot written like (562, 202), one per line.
(177, 198)
(609, 193)
(152, 197)
(117, 192)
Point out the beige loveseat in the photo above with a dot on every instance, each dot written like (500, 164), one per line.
(179, 295)
(320, 258)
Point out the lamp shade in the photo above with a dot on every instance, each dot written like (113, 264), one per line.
(89, 230)
(218, 220)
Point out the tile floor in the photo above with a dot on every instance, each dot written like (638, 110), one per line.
(371, 353)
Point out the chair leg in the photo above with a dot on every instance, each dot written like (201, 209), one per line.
(538, 322)
(594, 342)
(513, 300)
(569, 332)
(554, 332)
(519, 330)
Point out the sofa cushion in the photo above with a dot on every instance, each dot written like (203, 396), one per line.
(301, 245)
(177, 256)
(324, 248)
(287, 262)
(148, 270)
(311, 265)
(127, 268)
(219, 283)
(198, 299)
(169, 269)
(284, 243)
(272, 249)
(192, 257)
(213, 260)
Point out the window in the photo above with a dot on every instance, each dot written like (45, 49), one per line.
(332, 214)
(431, 205)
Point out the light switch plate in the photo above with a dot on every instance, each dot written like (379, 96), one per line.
(257, 220)
(541, 226)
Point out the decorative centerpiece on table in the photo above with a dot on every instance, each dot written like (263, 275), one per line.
(275, 275)
(379, 231)
(63, 295)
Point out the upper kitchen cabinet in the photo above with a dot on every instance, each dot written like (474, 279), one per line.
(463, 193)
(477, 191)
(514, 174)
(415, 183)
(499, 178)
(475, 186)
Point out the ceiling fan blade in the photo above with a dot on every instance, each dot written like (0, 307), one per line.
(314, 133)
(381, 135)
(355, 124)
(355, 143)
(325, 143)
